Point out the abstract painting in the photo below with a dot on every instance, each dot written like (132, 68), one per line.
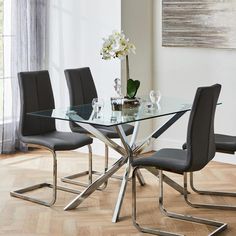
(199, 23)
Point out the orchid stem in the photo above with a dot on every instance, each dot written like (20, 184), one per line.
(127, 68)
(127, 71)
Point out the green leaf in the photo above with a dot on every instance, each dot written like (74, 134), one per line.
(132, 87)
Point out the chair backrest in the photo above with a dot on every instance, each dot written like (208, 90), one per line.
(200, 135)
(35, 94)
(81, 86)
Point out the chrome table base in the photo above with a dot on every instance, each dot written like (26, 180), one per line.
(128, 151)
(97, 183)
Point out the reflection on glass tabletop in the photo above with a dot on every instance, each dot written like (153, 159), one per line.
(107, 117)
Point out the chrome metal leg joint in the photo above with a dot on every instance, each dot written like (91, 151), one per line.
(96, 184)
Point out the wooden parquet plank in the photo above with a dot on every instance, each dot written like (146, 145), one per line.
(93, 217)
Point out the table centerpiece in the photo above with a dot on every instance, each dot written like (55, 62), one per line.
(118, 46)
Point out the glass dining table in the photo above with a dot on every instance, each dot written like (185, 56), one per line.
(85, 116)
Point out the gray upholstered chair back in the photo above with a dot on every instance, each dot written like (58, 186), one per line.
(35, 94)
(200, 135)
(81, 86)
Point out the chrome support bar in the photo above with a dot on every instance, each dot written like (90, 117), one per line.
(129, 150)
(135, 134)
(132, 146)
(213, 193)
(121, 194)
(158, 132)
(103, 138)
(166, 179)
(124, 140)
(97, 183)
(70, 178)
(20, 192)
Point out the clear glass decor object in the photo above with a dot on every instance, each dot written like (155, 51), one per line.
(116, 103)
(155, 96)
(117, 87)
(97, 104)
(121, 104)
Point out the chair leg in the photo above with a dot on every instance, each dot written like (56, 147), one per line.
(106, 165)
(20, 192)
(214, 193)
(104, 185)
(70, 178)
(220, 226)
(90, 172)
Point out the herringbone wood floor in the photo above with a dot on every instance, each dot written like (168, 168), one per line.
(93, 217)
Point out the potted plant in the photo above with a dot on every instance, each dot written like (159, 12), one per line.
(118, 46)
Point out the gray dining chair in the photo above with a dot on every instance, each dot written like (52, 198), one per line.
(82, 90)
(36, 94)
(200, 150)
(225, 143)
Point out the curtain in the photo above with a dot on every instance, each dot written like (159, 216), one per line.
(27, 52)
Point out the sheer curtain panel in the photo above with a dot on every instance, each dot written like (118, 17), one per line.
(24, 40)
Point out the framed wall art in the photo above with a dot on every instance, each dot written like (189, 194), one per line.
(199, 23)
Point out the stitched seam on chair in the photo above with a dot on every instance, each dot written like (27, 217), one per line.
(38, 103)
(82, 86)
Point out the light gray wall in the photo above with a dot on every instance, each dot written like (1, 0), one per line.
(76, 29)
(179, 71)
(136, 22)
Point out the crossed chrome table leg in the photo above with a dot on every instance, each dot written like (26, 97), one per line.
(104, 177)
(128, 152)
(124, 151)
(135, 151)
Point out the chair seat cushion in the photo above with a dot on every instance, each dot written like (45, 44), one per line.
(174, 160)
(109, 132)
(225, 143)
(58, 141)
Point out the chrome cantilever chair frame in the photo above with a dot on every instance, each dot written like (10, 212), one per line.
(211, 193)
(20, 192)
(201, 150)
(41, 133)
(220, 225)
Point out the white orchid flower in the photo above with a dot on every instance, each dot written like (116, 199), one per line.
(116, 46)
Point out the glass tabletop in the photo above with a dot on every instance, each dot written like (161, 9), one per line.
(108, 117)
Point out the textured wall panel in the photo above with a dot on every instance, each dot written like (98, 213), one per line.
(199, 23)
